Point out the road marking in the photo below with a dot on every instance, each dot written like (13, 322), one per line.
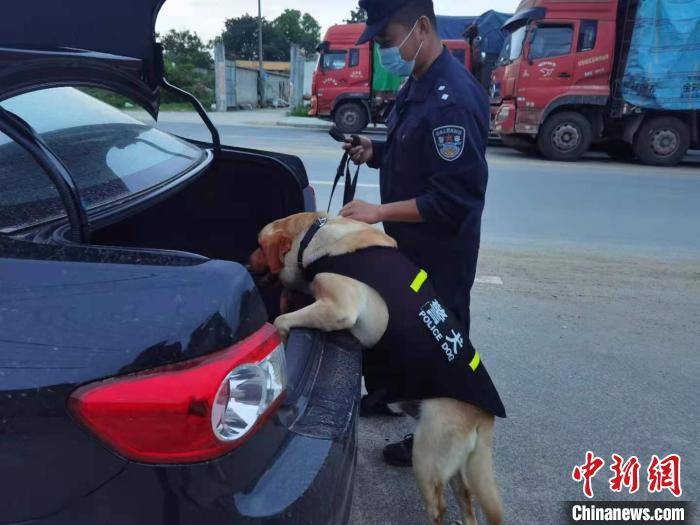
(330, 183)
(489, 279)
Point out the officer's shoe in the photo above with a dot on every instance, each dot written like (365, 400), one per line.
(400, 454)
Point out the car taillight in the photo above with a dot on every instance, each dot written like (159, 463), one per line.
(192, 411)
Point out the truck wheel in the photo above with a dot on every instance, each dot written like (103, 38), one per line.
(662, 141)
(351, 117)
(565, 136)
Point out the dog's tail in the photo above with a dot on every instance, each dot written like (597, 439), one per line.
(479, 474)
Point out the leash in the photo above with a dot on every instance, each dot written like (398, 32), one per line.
(319, 223)
(344, 171)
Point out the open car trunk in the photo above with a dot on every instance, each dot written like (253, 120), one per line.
(220, 214)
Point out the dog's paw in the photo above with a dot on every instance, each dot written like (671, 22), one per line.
(282, 327)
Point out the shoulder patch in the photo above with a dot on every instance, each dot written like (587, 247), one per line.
(449, 141)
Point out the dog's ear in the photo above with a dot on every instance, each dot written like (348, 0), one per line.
(257, 262)
(275, 247)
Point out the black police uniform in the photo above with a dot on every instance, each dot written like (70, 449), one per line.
(435, 153)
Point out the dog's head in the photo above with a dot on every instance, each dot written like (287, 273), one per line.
(276, 241)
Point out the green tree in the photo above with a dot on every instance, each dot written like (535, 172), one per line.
(289, 23)
(299, 29)
(312, 33)
(186, 47)
(291, 27)
(356, 16)
(241, 39)
(189, 65)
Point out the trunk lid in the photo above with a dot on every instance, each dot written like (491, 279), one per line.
(46, 43)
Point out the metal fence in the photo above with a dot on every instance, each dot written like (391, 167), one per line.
(277, 89)
(237, 87)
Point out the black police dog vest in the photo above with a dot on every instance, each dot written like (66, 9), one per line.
(424, 353)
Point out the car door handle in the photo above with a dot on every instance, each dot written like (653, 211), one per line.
(564, 75)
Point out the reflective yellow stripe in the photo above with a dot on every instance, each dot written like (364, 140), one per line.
(475, 362)
(419, 281)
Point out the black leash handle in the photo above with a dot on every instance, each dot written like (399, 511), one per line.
(351, 182)
(344, 171)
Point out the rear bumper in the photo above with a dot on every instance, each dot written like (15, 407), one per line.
(298, 468)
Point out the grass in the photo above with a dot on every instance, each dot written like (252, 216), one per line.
(121, 102)
(177, 106)
(299, 111)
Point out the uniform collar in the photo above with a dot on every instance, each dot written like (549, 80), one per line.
(421, 88)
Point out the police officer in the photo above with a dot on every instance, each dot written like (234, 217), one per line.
(433, 170)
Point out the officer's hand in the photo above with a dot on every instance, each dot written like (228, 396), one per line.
(362, 211)
(362, 153)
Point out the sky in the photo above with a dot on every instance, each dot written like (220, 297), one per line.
(206, 17)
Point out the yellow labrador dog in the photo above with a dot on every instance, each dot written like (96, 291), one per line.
(453, 439)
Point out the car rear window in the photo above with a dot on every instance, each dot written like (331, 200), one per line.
(110, 155)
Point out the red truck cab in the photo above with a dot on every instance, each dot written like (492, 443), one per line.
(558, 56)
(462, 51)
(558, 86)
(341, 86)
(344, 87)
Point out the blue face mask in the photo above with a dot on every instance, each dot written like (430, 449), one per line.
(392, 60)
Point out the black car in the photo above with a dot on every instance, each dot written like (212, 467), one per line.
(140, 378)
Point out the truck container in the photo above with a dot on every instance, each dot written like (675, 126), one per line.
(621, 75)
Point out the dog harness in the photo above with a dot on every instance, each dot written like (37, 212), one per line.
(424, 353)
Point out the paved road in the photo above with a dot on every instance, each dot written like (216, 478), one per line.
(593, 337)
(597, 204)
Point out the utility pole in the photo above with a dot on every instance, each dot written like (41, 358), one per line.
(261, 67)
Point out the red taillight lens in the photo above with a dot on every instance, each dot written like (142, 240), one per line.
(188, 412)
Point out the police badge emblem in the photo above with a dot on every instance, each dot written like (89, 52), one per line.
(449, 141)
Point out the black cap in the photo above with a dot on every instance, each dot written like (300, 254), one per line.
(379, 13)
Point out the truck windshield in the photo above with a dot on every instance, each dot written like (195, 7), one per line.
(551, 41)
(110, 155)
(334, 60)
(513, 46)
